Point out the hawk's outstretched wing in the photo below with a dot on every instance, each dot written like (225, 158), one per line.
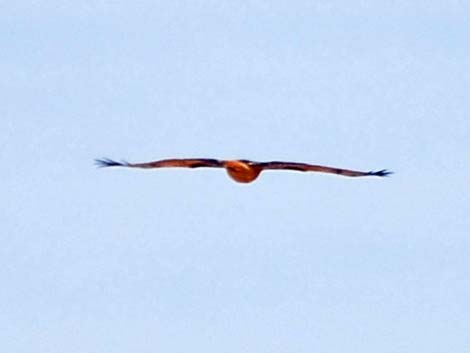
(164, 163)
(303, 167)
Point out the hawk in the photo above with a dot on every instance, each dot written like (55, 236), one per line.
(240, 170)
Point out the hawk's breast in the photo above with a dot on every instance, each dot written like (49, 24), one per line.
(242, 172)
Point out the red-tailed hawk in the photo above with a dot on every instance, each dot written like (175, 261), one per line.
(242, 171)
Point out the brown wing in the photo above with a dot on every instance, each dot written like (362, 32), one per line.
(303, 167)
(164, 163)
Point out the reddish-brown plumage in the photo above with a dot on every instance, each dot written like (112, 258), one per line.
(242, 171)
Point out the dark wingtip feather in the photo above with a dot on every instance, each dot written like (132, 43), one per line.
(106, 162)
(381, 173)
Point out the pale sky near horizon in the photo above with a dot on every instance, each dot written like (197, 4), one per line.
(109, 260)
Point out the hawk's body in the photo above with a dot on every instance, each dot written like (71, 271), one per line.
(242, 171)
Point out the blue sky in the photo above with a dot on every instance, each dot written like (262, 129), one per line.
(115, 260)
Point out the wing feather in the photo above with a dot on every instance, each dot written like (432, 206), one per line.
(164, 163)
(304, 167)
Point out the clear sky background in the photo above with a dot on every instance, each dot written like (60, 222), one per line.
(116, 260)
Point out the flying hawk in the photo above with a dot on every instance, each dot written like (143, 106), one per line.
(242, 171)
